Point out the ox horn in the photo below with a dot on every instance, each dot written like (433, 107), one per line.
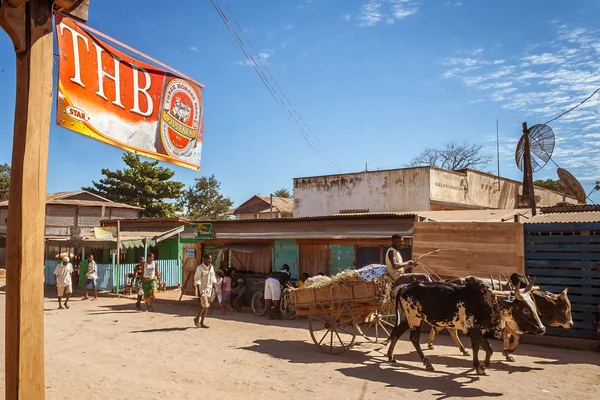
(530, 285)
(518, 295)
(492, 281)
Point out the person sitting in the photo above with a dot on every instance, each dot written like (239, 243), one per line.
(272, 291)
(395, 265)
(239, 298)
(303, 278)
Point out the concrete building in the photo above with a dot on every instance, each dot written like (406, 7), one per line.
(411, 189)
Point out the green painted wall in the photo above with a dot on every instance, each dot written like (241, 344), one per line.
(341, 258)
(286, 252)
(167, 249)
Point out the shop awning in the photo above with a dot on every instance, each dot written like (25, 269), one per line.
(243, 247)
(129, 239)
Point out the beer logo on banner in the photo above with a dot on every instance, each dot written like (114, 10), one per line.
(180, 118)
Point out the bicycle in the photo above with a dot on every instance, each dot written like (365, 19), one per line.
(286, 308)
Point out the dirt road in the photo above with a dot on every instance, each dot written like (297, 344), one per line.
(105, 349)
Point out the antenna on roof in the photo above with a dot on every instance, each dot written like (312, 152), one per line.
(498, 152)
(571, 185)
(366, 167)
(597, 187)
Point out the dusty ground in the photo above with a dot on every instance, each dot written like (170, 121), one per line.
(106, 349)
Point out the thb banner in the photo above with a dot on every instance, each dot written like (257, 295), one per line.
(117, 99)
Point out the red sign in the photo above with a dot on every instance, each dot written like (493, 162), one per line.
(113, 97)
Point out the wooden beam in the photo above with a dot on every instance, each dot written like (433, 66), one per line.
(24, 360)
(16, 3)
(12, 20)
(77, 9)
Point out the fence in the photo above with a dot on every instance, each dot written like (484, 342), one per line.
(561, 255)
(470, 248)
(171, 273)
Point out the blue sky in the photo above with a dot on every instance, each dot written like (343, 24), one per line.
(375, 80)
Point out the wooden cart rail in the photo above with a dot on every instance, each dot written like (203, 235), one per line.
(335, 314)
(359, 294)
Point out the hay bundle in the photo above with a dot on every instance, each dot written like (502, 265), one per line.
(341, 279)
(384, 284)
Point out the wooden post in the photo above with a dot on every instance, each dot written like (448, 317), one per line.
(30, 27)
(145, 248)
(528, 190)
(118, 268)
(179, 257)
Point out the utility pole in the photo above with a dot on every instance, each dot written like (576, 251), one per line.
(528, 190)
(29, 25)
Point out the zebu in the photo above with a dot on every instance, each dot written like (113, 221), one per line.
(471, 308)
(554, 310)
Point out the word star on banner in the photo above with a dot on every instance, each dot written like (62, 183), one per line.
(117, 99)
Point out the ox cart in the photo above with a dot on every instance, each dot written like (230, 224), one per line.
(335, 313)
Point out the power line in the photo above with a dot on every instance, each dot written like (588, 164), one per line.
(572, 108)
(253, 62)
(264, 65)
(265, 80)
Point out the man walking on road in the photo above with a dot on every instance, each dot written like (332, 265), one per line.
(64, 285)
(91, 277)
(205, 280)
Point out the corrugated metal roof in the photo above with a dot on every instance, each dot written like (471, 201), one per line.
(566, 217)
(570, 208)
(434, 216)
(62, 198)
(456, 215)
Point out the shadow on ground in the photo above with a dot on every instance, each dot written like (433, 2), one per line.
(443, 384)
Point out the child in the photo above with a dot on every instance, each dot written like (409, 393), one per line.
(218, 292)
(226, 291)
(303, 278)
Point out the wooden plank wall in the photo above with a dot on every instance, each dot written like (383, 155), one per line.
(314, 259)
(567, 255)
(189, 267)
(470, 248)
(259, 261)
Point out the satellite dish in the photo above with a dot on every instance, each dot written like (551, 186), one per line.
(571, 184)
(541, 146)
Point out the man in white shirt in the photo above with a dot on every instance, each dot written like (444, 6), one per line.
(64, 285)
(205, 280)
(394, 263)
(90, 278)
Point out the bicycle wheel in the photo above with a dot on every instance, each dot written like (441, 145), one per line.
(287, 309)
(258, 303)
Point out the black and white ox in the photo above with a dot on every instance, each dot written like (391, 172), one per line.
(554, 310)
(473, 309)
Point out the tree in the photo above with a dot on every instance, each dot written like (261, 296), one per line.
(551, 184)
(204, 200)
(283, 193)
(141, 183)
(453, 156)
(4, 181)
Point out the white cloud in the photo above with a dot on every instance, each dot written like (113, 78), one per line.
(545, 58)
(195, 49)
(346, 16)
(375, 12)
(261, 58)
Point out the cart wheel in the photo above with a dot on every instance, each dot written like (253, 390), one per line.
(258, 303)
(378, 328)
(285, 305)
(332, 326)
